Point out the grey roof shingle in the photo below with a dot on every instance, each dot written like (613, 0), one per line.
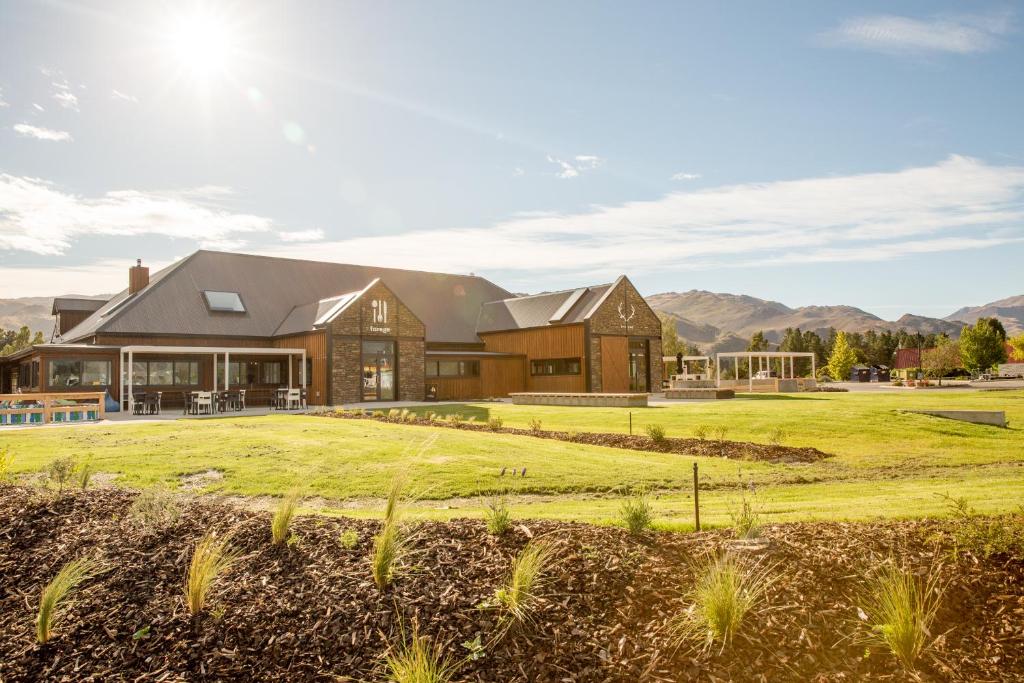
(283, 296)
(539, 310)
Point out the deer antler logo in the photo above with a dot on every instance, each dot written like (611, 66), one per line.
(622, 312)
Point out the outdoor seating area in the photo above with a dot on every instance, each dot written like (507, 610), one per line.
(47, 408)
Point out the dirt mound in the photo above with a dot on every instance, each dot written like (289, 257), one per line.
(310, 611)
(735, 450)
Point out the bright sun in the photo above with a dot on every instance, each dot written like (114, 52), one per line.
(201, 43)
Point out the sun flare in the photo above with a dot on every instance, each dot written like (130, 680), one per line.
(201, 43)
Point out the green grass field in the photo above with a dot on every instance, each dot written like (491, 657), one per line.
(886, 462)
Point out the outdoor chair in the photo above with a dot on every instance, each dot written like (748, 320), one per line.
(138, 402)
(188, 401)
(305, 397)
(294, 400)
(241, 399)
(204, 402)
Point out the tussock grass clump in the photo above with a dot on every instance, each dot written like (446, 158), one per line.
(636, 512)
(899, 608)
(416, 660)
(497, 515)
(67, 580)
(390, 543)
(495, 424)
(535, 425)
(154, 509)
(283, 516)
(656, 433)
(746, 516)
(724, 593)
(776, 436)
(6, 464)
(518, 596)
(85, 472)
(454, 419)
(212, 557)
(60, 471)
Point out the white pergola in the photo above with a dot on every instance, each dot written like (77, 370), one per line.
(689, 359)
(127, 356)
(764, 359)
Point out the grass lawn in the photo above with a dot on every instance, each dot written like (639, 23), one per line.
(887, 463)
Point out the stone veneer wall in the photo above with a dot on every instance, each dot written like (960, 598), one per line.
(347, 379)
(411, 373)
(644, 323)
(595, 363)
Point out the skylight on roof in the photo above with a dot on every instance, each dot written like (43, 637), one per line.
(224, 302)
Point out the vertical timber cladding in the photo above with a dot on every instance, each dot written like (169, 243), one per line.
(377, 315)
(539, 343)
(623, 315)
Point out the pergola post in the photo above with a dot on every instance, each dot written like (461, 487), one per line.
(291, 362)
(814, 373)
(750, 371)
(718, 370)
(302, 370)
(131, 371)
(214, 371)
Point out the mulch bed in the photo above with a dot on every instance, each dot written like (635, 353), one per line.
(734, 450)
(311, 612)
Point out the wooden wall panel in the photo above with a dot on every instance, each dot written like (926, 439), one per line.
(315, 344)
(502, 376)
(614, 364)
(562, 341)
(457, 388)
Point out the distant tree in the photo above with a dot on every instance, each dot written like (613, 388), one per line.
(842, 359)
(669, 335)
(794, 340)
(941, 359)
(688, 349)
(996, 324)
(982, 346)
(758, 342)
(21, 340)
(1017, 344)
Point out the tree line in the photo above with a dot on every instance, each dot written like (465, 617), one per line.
(12, 341)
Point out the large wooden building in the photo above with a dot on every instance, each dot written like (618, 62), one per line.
(348, 333)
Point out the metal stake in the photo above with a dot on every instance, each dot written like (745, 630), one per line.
(696, 500)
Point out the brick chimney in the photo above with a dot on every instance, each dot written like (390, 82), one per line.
(138, 277)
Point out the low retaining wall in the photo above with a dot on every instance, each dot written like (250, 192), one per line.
(996, 418)
(556, 399)
(708, 394)
(693, 384)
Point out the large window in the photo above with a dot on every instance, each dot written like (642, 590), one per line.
(224, 302)
(555, 366)
(165, 373)
(638, 364)
(453, 368)
(28, 374)
(270, 372)
(66, 374)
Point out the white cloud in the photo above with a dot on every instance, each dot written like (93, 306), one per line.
(892, 34)
(685, 176)
(61, 90)
(38, 107)
(39, 217)
(25, 130)
(66, 99)
(3, 102)
(956, 205)
(579, 163)
(314, 235)
(118, 95)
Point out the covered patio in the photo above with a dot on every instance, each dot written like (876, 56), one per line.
(771, 374)
(209, 379)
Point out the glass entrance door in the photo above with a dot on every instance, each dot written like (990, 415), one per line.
(638, 365)
(378, 371)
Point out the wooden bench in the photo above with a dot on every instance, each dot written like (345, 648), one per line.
(26, 409)
(570, 399)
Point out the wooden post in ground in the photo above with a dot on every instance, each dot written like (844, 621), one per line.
(696, 500)
(631, 423)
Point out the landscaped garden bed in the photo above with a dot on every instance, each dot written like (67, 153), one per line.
(309, 609)
(710, 445)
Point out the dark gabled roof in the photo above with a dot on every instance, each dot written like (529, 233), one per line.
(69, 303)
(541, 310)
(283, 296)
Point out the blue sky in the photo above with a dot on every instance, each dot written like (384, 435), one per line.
(812, 153)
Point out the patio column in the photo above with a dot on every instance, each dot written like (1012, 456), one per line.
(750, 374)
(227, 364)
(718, 370)
(131, 369)
(291, 362)
(814, 374)
(302, 370)
(215, 371)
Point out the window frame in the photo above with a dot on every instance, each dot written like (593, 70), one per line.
(469, 368)
(559, 368)
(148, 375)
(80, 361)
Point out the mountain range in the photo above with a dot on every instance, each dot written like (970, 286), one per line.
(713, 321)
(725, 322)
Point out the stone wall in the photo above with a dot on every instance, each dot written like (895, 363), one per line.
(625, 313)
(347, 382)
(595, 363)
(411, 379)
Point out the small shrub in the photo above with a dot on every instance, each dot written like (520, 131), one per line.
(776, 435)
(720, 432)
(454, 419)
(656, 433)
(415, 660)
(85, 472)
(495, 424)
(498, 515)
(899, 608)
(636, 512)
(984, 536)
(155, 508)
(702, 431)
(60, 471)
(746, 514)
(518, 597)
(61, 586)
(723, 594)
(535, 425)
(283, 516)
(211, 558)
(348, 539)
(404, 414)
(394, 413)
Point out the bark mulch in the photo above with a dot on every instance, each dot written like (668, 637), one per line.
(310, 612)
(735, 450)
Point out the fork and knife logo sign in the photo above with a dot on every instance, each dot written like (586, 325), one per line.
(380, 310)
